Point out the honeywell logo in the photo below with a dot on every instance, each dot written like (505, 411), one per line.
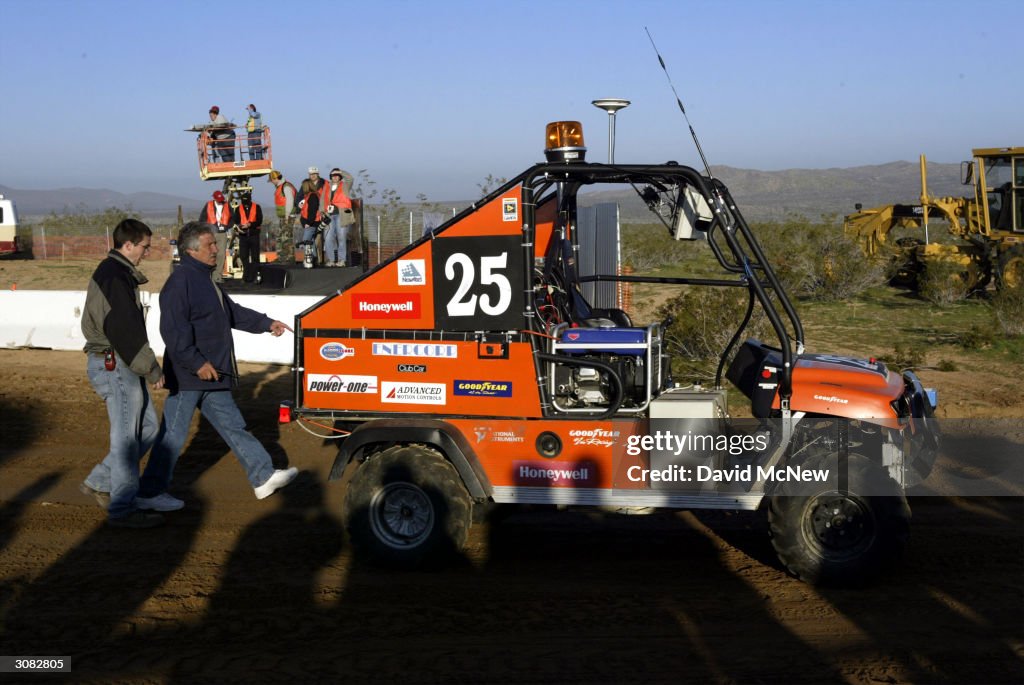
(386, 306)
(555, 474)
(831, 398)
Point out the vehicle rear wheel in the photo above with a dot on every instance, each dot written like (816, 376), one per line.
(1011, 268)
(407, 505)
(840, 538)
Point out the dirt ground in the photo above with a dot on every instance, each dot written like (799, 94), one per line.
(239, 590)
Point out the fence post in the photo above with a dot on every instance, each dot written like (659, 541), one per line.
(410, 227)
(106, 231)
(43, 229)
(378, 239)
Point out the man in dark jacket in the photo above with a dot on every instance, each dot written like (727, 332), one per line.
(196, 318)
(120, 365)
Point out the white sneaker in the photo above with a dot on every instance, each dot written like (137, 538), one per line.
(279, 479)
(162, 502)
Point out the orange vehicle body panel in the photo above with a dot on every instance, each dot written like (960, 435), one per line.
(381, 299)
(445, 377)
(831, 388)
(359, 356)
(593, 453)
(500, 216)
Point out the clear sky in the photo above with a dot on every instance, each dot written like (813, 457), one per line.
(431, 97)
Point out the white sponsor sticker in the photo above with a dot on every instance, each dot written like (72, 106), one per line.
(413, 393)
(324, 382)
(412, 272)
(405, 349)
(510, 209)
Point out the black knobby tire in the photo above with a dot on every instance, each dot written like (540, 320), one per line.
(840, 538)
(1010, 270)
(406, 506)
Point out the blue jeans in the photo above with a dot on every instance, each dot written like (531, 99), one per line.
(133, 429)
(255, 147)
(308, 233)
(219, 408)
(336, 240)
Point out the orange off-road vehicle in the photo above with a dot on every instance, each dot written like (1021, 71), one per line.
(471, 371)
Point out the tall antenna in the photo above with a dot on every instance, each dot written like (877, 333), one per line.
(679, 102)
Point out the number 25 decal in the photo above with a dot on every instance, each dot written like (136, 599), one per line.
(464, 301)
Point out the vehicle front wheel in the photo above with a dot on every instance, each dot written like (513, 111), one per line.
(840, 537)
(1010, 271)
(407, 505)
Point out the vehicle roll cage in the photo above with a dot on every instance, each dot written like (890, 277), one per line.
(741, 253)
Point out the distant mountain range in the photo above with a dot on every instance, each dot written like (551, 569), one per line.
(761, 195)
(87, 200)
(813, 193)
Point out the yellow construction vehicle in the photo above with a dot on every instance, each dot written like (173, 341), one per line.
(988, 224)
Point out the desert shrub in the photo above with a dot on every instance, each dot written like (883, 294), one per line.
(78, 221)
(942, 283)
(705, 319)
(947, 365)
(906, 355)
(1008, 312)
(977, 338)
(817, 261)
(647, 247)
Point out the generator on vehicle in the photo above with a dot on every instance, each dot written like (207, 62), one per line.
(469, 370)
(988, 225)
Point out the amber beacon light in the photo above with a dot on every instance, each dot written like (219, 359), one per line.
(564, 142)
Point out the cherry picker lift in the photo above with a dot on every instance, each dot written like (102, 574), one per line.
(232, 155)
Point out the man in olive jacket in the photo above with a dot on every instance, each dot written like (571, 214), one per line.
(196, 318)
(120, 364)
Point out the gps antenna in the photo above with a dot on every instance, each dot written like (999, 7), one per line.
(679, 102)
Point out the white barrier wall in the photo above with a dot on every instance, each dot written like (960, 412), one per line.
(52, 319)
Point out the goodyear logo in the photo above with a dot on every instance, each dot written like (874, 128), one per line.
(483, 388)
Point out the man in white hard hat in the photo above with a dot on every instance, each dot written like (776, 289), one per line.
(336, 203)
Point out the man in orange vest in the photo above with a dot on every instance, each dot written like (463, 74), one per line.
(218, 214)
(336, 203)
(285, 201)
(250, 220)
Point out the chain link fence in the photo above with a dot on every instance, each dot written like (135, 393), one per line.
(382, 236)
(388, 234)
